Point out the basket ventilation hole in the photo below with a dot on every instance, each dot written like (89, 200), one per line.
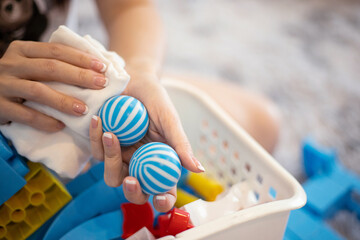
(257, 196)
(259, 179)
(212, 150)
(233, 171)
(225, 145)
(272, 192)
(205, 124)
(215, 134)
(247, 167)
(200, 154)
(236, 156)
(203, 139)
(223, 159)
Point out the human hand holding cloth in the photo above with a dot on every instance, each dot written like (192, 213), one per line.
(68, 150)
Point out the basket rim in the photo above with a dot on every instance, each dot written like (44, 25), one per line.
(298, 198)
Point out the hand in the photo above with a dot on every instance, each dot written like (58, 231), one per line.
(165, 126)
(26, 65)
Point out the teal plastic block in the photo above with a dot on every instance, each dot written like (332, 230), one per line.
(325, 196)
(10, 181)
(304, 225)
(19, 165)
(86, 180)
(5, 151)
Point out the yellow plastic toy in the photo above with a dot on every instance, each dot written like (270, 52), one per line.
(33, 205)
(206, 187)
(183, 198)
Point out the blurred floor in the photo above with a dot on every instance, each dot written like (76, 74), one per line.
(304, 55)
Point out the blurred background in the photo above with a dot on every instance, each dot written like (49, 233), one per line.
(304, 55)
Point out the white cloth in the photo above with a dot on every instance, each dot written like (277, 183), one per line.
(67, 151)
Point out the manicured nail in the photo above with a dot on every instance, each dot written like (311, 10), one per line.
(94, 121)
(80, 108)
(130, 185)
(161, 200)
(108, 139)
(101, 81)
(98, 66)
(199, 166)
(60, 125)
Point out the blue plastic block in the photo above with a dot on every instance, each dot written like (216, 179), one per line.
(19, 165)
(10, 181)
(5, 150)
(343, 176)
(317, 160)
(324, 232)
(106, 226)
(94, 201)
(40, 233)
(304, 225)
(324, 196)
(289, 235)
(84, 181)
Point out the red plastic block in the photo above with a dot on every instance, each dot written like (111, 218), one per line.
(136, 217)
(176, 221)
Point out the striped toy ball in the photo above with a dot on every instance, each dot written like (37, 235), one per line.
(156, 166)
(126, 117)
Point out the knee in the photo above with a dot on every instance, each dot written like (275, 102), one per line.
(264, 122)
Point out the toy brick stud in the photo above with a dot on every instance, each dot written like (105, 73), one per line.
(156, 166)
(126, 117)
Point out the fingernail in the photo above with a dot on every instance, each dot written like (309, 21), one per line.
(60, 125)
(98, 66)
(199, 166)
(94, 121)
(108, 139)
(130, 185)
(101, 81)
(161, 200)
(80, 108)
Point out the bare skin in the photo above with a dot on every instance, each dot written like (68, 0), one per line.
(26, 65)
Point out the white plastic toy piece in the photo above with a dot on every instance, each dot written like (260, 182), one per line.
(238, 197)
(142, 234)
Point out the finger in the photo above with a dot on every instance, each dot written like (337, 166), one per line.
(114, 172)
(164, 202)
(62, 53)
(128, 152)
(19, 113)
(176, 137)
(40, 69)
(95, 133)
(133, 192)
(41, 93)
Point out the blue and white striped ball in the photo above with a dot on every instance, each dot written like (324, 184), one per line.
(126, 117)
(156, 166)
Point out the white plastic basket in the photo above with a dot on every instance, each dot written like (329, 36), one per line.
(230, 155)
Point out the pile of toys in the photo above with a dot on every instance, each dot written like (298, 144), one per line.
(34, 204)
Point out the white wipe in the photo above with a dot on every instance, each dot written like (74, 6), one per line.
(67, 151)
